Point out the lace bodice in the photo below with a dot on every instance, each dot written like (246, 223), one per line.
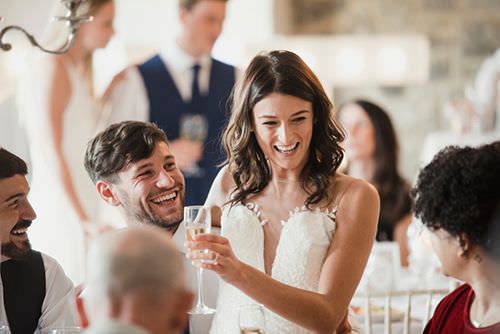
(305, 238)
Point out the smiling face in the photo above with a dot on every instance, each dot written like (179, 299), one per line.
(202, 25)
(360, 141)
(283, 126)
(16, 215)
(150, 190)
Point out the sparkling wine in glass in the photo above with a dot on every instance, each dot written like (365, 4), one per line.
(251, 319)
(197, 220)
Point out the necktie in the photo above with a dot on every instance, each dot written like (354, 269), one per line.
(195, 91)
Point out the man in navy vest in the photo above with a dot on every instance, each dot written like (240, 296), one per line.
(34, 291)
(185, 92)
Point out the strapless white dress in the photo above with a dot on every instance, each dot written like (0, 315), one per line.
(305, 238)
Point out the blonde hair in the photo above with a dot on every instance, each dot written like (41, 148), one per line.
(90, 7)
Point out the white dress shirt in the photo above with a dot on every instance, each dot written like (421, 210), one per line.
(58, 308)
(129, 99)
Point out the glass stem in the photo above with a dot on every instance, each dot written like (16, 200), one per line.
(201, 301)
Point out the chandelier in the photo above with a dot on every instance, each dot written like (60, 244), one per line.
(71, 20)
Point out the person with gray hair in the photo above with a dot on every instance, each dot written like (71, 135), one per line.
(136, 284)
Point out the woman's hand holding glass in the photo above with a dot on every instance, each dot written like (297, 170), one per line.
(217, 255)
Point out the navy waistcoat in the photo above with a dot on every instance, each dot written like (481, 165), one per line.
(24, 291)
(166, 107)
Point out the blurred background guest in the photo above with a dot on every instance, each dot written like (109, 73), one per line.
(61, 114)
(136, 284)
(185, 92)
(372, 152)
(458, 200)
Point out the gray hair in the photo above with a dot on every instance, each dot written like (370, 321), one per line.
(135, 260)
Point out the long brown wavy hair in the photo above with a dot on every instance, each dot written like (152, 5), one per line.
(394, 190)
(286, 73)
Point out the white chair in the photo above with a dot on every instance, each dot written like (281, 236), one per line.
(426, 299)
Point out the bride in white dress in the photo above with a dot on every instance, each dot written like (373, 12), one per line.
(296, 234)
(61, 115)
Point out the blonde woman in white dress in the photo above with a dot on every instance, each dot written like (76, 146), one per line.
(296, 234)
(61, 114)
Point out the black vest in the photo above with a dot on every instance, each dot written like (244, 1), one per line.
(23, 292)
(166, 107)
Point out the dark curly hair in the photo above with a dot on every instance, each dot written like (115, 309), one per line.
(459, 192)
(118, 145)
(286, 73)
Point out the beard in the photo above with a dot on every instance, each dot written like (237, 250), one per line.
(170, 225)
(140, 214)
(13, 250)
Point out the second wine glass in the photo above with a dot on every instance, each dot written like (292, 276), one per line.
(197, 220)
(251, 319)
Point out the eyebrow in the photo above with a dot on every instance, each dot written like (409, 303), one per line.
(149, 164)
(297, 113)
(14, 196)
(141, 167)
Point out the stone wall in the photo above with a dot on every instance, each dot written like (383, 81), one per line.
(461, 32)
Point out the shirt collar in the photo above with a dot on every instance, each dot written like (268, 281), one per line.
(180, 60)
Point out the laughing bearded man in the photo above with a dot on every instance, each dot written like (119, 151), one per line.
(36, 294)
(134, 170)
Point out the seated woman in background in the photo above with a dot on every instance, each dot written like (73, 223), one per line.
(457, 197)
(372, 154)
(296, 234)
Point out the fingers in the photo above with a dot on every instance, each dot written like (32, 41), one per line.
(211, 238)
(196, 247)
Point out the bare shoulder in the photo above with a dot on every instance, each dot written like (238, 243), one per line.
(351, 193)
(221, 189)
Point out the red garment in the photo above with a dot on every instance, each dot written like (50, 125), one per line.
(452, 315)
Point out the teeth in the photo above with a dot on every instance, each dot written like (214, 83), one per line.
(20, 231)
(166, 197)
(288, 148)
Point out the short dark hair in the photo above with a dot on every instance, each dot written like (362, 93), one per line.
(459, 192)
(118, 145)
(11, 164)
(283, 72)
(188, 4)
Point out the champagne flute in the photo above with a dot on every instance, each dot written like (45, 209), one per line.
(197, 221)
(194, 128)
(4, 329)
(251, 319)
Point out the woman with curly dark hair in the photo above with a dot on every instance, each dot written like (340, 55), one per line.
(372, 154)
(296, 234)
(457, 196)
